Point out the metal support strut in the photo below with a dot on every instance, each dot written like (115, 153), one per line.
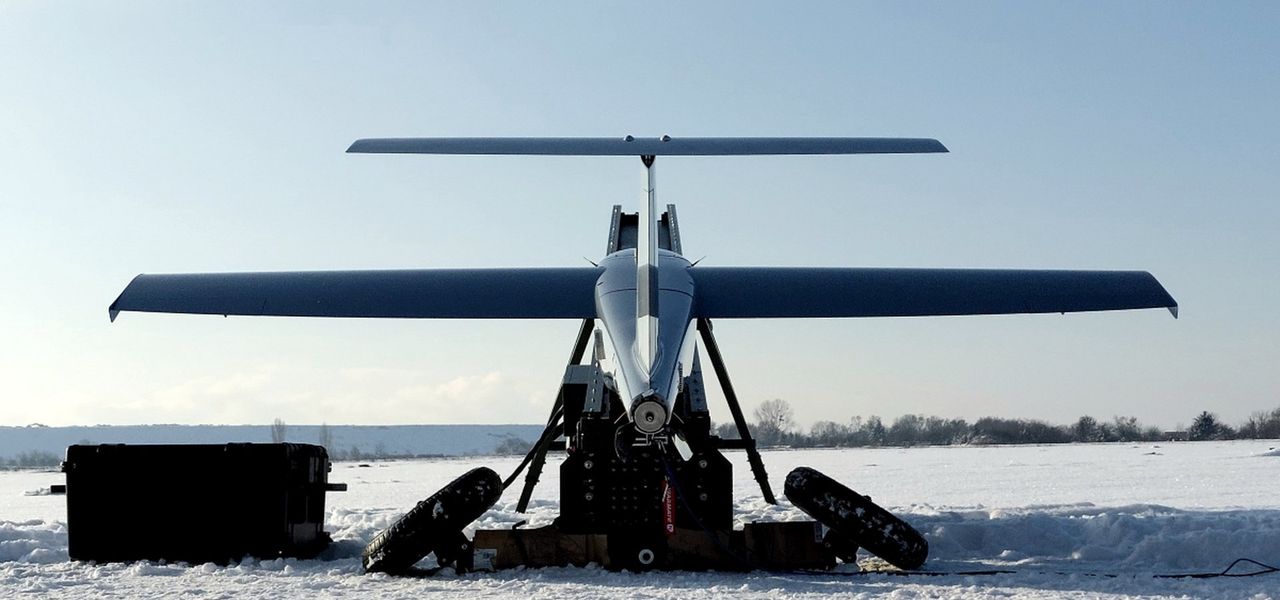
(537, 455)
(722, 375)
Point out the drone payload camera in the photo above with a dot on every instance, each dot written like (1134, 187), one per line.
(644, 484)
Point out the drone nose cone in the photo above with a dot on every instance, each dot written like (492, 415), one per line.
(650, 414)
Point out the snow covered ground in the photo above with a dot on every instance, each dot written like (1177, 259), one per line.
(1064, 518)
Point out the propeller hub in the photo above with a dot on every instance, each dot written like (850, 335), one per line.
(650, 415)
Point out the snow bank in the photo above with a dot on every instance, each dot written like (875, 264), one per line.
(1140, 538)
(1136, 538)
(33, 542)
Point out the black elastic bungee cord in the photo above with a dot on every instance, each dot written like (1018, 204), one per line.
(1263, 569)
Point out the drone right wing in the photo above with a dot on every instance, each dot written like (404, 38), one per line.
(769, 292)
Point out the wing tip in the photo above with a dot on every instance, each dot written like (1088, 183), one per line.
(114, 310)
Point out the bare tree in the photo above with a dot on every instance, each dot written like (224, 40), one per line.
(1087, 429)
(1126, 429)
(829, 433)
(1262, 425)
(906, 430)
(278, 430)
(512, 445)
(774, 419)
(875, 431)
(726, 431)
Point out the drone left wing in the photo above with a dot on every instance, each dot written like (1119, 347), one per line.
(518, 293)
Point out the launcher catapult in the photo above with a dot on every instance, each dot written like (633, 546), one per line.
(644, 484)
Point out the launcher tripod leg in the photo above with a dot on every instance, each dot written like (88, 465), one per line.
(537, 456)
(722, 374)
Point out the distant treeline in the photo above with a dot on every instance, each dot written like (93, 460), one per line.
(31, 459)
(773, 427)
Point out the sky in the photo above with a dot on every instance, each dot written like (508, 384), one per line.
(170, 137)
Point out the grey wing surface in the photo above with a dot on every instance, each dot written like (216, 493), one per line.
(520, 293)
(768, 292)
(692, 146)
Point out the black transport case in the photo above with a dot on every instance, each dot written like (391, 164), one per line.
(196, 503)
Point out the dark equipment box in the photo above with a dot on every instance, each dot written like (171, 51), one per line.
(196, 503)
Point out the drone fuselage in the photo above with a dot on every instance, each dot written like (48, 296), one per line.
(651, 390)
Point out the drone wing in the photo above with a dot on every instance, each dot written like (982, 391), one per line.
(664, 146)
(766, 292)
(522, 293)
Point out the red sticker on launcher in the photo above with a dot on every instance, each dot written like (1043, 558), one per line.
(668, 508)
